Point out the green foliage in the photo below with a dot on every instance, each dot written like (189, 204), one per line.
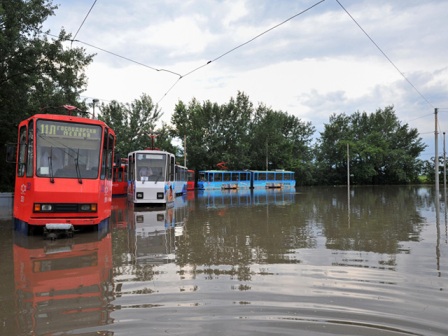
(381, 149)
(36, 74)
(135, 125)
(241, 136)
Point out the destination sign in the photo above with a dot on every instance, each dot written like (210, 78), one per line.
(69, 130)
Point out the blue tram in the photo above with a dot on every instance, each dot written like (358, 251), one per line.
(246, 179)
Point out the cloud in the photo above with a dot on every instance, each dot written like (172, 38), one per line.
(320, 62)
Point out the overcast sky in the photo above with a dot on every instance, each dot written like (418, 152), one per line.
(307, 58)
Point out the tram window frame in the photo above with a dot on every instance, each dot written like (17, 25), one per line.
(30, 155)
(21, 159)
(218, 177)
(110, 152)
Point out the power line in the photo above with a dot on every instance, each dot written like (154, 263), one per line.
(254, 38)
(126, 58)
(384, 54)
(88, 13)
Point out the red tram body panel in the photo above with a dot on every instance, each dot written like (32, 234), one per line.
(63, 171)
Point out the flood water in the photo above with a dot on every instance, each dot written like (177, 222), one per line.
(309, 262)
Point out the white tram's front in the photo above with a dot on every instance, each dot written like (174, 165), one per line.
(151, 178)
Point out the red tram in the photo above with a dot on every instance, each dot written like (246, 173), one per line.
(120, 179)
(63, 172)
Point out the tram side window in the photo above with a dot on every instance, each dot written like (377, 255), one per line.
(245, 177)
(110, 151)
(131, 167)
(106, 161)
(235, 176)
(279, 176)
(172, 164)
(30, 158)
(218, 177)
(21, 160)
(261, 176)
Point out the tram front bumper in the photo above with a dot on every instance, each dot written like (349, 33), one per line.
(56, 230)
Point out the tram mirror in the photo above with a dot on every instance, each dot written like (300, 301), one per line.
(11, 153)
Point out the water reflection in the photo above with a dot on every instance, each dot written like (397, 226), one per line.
(62, 284)
(151, 238)
(314, 262)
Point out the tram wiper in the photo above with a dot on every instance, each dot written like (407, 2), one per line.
(50, 164)
(157, 178)
(78, 172)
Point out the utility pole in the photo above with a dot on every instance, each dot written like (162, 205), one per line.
(94, 101)
(436, 158)
(444, 170)
(185, 150)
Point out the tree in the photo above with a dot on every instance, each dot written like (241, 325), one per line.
(135, 125)
(242, 136)
(382, 150)
(36, 74)
(196, 124)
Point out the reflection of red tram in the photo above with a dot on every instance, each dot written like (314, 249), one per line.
(63, 172)
(119, 215)
(63, 284)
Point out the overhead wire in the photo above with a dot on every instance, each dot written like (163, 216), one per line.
(85, 18)
(393, 64)
(238, 46)
(255, 37)
(195, 69)
(180, 76)
(384, 54)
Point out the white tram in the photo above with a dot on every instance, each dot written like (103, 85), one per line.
(151, 175)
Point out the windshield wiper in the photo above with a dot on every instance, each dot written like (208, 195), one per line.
(50, 164)
(78, 172)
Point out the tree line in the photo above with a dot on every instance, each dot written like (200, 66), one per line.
(39, 73)
(378, 147)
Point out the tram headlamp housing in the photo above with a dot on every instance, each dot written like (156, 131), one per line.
(87, 207)
(139, 219)
(139, 195)
(64, 207)
(160, 195)
(39, 207)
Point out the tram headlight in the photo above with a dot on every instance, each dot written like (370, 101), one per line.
(160, 195)
(39, 207)
(139, 195)
(87, 207)
(139, 219)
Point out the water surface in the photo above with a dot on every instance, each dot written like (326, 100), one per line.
(315, 261)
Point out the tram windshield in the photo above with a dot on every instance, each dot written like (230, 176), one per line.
(151, 167)
(67, 149)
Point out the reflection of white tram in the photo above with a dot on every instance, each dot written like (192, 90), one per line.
(157, 232)
(151, 177)
(154, 241)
